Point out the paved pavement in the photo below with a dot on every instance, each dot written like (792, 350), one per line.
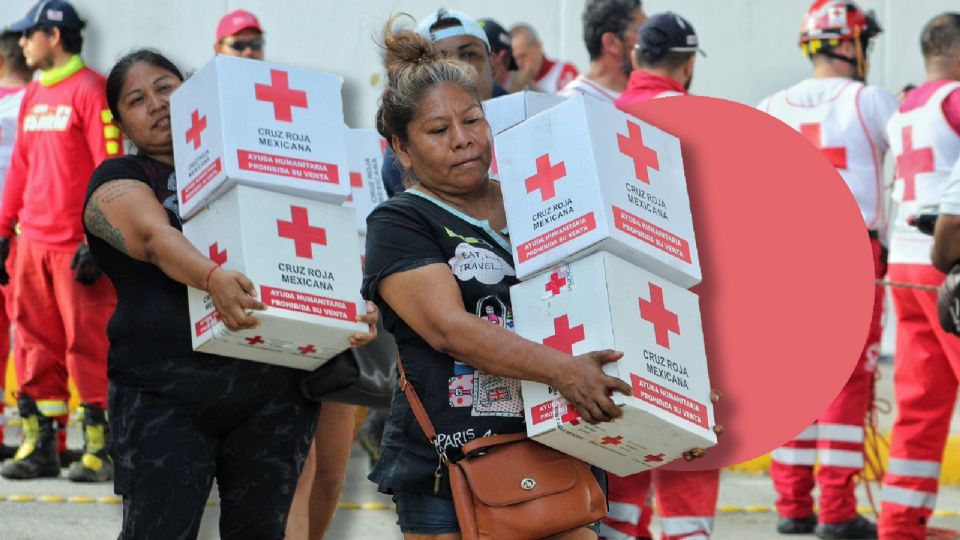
(745, 510)
(56, 509)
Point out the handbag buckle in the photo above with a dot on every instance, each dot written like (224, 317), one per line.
(527, 484)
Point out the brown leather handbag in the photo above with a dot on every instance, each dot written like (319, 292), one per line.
(508, 486)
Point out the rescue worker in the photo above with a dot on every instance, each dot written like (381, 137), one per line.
(62, 301)
(925, 142)
(846, 119)
(662, 60)
(14, 76)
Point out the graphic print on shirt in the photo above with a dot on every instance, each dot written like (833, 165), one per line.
(486, 394)
(44, 118)
(171, 203)
(481, 264)
(494, 395)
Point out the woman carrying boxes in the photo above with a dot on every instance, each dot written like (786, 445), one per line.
(182, 418)
(437, 259)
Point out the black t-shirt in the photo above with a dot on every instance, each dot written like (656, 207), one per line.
(409, 231)
(152, 321)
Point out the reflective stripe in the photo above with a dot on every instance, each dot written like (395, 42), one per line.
(908, 497)
(809, 434)
(841, 433)
(52, 407)
(841, 458)
(675, 526)
(627, 513)
(795, 456)
(913, 467)
(610, 533)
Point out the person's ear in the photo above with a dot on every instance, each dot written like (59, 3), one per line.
(496, 62)
(55, 36)
(400, 149)
(612, 42)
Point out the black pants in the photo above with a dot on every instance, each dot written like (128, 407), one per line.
(243, 423)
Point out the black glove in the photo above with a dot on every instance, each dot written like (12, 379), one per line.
(4, 253)
(87, 271)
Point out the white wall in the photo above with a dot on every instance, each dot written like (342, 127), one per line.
(751, 44)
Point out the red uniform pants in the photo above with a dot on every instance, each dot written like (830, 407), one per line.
(686, 504)
(926, 371)
(63, 328)
(7, 329)
(836, 439)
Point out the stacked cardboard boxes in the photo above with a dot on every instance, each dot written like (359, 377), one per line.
(604, 244)
(262, 174)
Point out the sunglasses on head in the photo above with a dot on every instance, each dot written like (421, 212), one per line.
(255, 44)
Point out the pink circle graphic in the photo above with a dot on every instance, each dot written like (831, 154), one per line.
(787, 287)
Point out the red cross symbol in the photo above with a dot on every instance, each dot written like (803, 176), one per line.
(498, 394)
(570, 416)
(307, 350)
(911, 162)
(217, 256)
(644, 158)
(650, 457)
(556, 281)
(255, 340)
(664, 321)
(615, 441)
(300, 231)
(546, 177)
(197, 125)
(836, 155)
(564, 337)
(284, 99)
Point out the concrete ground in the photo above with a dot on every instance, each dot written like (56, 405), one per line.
(56, 509)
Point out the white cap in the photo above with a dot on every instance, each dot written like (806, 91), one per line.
(467, 27)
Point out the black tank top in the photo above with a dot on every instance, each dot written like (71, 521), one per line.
(152, 321)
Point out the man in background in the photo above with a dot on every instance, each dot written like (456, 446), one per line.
(62, 301)
(239, 34)
(537, 72)
(501, 53)
(847, 120)
(924, 138)
(664, 56)
(610, 30)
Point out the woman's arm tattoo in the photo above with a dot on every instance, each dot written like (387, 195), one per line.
(97, 222)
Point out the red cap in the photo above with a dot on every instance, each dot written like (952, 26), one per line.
(235, 21)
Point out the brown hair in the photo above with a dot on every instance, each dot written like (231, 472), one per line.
(414, 66)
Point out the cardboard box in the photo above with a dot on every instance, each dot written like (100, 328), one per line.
(264, 125)
(303, 258)
(504, 112)
(603, 302)
(365, 148)
(507, 111)
(583, 176)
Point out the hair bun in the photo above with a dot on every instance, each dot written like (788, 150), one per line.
(404, 48)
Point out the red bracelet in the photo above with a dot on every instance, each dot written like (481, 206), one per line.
(206, 282)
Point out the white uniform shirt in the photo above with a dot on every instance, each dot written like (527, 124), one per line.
(925, 148)
(559, 75)
(9, 113)
(583, 85)
(847, 120)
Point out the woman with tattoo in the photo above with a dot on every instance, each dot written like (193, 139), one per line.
(182, 418)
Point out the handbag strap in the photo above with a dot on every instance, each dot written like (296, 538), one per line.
(415, 404)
